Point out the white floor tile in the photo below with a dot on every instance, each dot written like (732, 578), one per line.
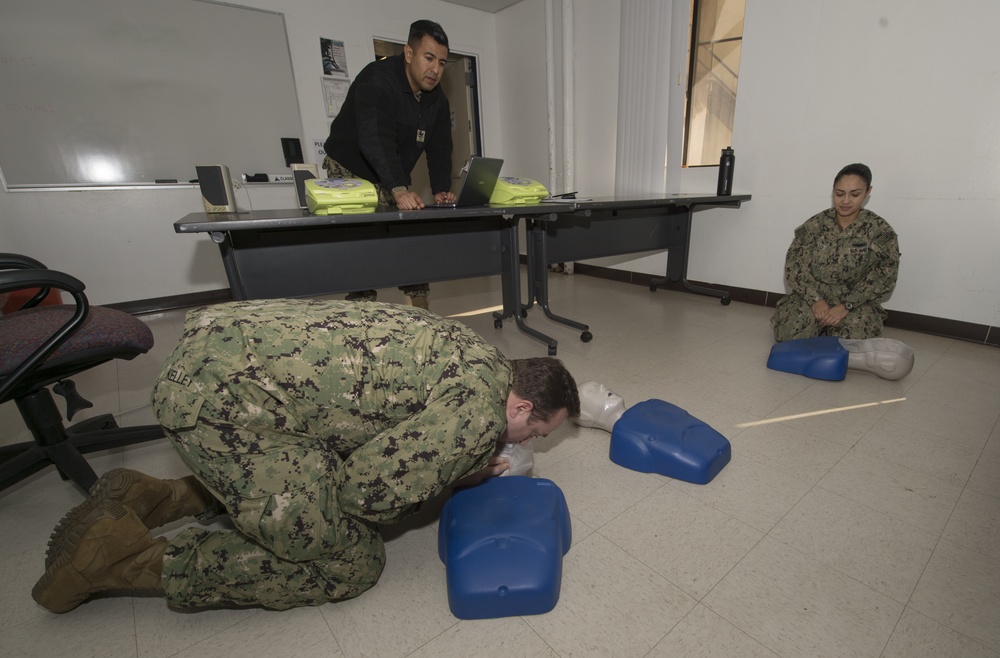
(796, 606)
(875, 549)
(917, 636)
(959, 590)
(910, 496)
(704, 634)
(790, 450)
(499, 638)
(298, 632)
(975, 523)
(751, 492)
(688, 542)
(842, 501)
(949, 459)
(610, 604)
(596, 489)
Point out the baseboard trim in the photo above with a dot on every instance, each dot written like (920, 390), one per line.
(925, 324)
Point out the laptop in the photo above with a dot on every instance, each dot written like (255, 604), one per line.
(478, 181)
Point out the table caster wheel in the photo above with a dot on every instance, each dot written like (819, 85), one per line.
(586, 336)
(498, 324)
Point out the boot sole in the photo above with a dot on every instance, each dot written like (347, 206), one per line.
(62, 550)
(110, 488)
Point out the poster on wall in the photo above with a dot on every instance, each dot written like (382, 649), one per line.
(334, 93)
(334, 58)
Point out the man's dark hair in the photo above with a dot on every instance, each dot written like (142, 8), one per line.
(547, 384)
(856, 169)
(425, 28)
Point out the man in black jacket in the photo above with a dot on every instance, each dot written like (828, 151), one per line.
(394, 111)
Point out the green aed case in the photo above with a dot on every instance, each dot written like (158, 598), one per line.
(513, 191)
(340, 196)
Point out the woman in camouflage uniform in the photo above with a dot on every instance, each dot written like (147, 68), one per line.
(842, 263)
(310, 423)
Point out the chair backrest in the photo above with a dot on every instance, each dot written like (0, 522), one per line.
(40, 345)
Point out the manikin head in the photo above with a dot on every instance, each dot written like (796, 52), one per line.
(599, 407)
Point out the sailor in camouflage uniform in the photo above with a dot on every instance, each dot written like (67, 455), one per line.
(841, 264)
(309, 422)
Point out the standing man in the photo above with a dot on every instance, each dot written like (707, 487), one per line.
(310, 423)
(394, 111)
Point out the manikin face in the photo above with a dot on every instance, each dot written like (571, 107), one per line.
(521, 425)
(425, 64)
(599, 407)
(849, 194)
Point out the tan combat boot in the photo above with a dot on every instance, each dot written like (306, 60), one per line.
(156, 502)
(109, 548)
(419, 301)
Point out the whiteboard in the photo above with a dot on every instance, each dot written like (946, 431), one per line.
(125, 92)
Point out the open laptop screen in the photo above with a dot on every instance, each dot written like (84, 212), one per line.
(477, 184)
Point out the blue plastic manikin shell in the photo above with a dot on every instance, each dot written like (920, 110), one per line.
(657, 437)
(502, 543)
(822, 357)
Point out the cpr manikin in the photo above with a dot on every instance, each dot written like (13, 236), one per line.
(654, 436)
(520, 457)
(599, 407)
(829, 357)
(885, 357)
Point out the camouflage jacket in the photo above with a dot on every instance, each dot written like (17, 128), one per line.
(858, 265)
(392, 390)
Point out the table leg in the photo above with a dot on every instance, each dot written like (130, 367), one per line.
(511, 283)
(677, 266)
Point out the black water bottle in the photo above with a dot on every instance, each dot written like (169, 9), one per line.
(726, 165)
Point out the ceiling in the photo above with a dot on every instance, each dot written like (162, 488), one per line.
(492, 6)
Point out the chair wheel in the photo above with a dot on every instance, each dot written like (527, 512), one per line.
(552, 350)
(586, 336)
(725, 301)
(652, 287)
(498, 324)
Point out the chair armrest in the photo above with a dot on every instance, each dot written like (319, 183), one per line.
(11, 280)
(10, 261)
(34, 278)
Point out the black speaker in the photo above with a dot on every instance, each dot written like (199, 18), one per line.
(216, 188)
(303, 172)
(292, 148)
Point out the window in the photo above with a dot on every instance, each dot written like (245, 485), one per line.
(716, 39)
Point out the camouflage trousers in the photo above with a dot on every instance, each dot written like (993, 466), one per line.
(294, 542)
(336, 170)
(793, 319)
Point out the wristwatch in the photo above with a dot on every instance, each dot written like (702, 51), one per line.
(849, 306)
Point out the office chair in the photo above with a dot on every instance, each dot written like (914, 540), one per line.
(46, 344)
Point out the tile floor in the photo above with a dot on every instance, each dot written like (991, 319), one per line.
(857, 518)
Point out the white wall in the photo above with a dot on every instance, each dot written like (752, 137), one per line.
(907, 86)
(121, 243)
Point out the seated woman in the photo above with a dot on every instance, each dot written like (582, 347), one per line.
(841, 264)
